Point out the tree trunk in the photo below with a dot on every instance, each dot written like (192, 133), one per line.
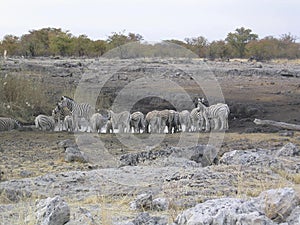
(287, 126)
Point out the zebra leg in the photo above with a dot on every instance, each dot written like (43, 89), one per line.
(75, 118)
(215, 126)
(207, 124)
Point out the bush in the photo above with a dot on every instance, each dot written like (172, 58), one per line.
(23, 98)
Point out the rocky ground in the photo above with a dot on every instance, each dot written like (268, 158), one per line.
(251, 178)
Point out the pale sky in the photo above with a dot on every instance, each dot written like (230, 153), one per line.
(155, 20)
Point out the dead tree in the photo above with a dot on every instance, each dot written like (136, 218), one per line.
(283, 125)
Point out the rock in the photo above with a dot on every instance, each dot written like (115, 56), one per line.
(247, 157)
(287, 73)
(229, 211)
(204, 155)
(142, 202)
(52, 211)
(288, 150)
(26, 173)
(286, 133)
(145, 218)
(75, 155)
(270, 207)
(66, 143)
(278, 204)
(294, 217)
(160, 204)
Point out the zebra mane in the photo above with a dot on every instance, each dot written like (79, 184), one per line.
(68, 98)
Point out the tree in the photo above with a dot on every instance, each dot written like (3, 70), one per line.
(118, 40)
(81, 45)
(99, 47)
(41, 42)
(264, 49)
(11, 44)
(61, 44)
(239, 39)
(198, 45)
(288, 48)
(219, 49)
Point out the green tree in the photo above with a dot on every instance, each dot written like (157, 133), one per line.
(99, 47)
(239, 39)
(11, 44)
(219, 49)
(198, 45)
(264, 49)
(61, 44)
(177, 42)
(118, 40)
(81, 45)
(40, 42)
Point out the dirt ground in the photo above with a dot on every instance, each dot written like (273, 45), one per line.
(34, 153)
(275, 97)
(250, 93)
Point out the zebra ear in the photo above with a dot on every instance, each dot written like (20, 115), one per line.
(62, 98)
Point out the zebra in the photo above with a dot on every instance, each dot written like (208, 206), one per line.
(196, 117)
(164, 117)
(44, 123)
(173, 121)
(69, 123)
(137, 121)
(98, 122)
(78, 110)
(152, 119)
(203, 101)
(120, 120)
(59, 114)
(219, 115)
(216, 113)
(7, 124)
(185, 119)
(109, 127)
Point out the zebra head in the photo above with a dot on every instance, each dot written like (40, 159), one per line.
(66, 102)
(54, 112)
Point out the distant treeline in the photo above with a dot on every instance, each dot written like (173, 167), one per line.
(242, 43)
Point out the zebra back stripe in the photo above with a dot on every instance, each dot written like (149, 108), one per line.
(7, 124)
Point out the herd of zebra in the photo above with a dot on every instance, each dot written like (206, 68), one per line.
(68, 115)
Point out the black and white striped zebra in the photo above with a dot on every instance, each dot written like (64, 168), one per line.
(120, 121)
(78, 110)
(185, 120)
(164, 117)
(137, 121)
(59, 114)
(69, 123)
(152, 122)
(215, 115)
(44, 123)
(196, 120)
(7, 124)
(109, 127)
(98, 121)
(173, 121)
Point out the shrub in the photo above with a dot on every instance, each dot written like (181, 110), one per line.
(23, 98)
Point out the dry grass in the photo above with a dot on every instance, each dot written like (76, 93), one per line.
(22, 98)
(286, 61)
